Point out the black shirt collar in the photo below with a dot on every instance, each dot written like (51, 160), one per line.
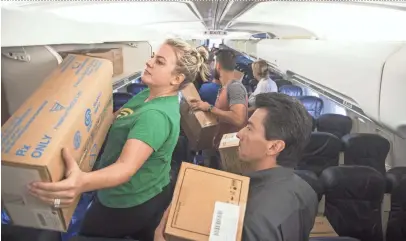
(269, 175)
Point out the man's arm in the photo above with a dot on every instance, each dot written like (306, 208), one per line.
(237, 100)
(236, 116)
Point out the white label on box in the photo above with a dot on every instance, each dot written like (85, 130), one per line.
(224, 225)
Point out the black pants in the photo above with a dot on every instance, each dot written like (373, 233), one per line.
(137, 222)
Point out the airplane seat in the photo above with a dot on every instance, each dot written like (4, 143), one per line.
(119, 99)
(135, 88)
(353, 197)
(313, 105)
(396, 229)
(281, 82)
(366, 149)
(314, 123)
(322, 151)
(338, 125)
(291, 90)
(313, 181)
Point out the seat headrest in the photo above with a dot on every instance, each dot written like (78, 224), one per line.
(291, 90)
(318, 140)
(336, 124)
(363, 139)
(366, 149)
(353, 182)
(394, 176)
(313, 104)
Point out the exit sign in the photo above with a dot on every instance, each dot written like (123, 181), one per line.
(215, 32)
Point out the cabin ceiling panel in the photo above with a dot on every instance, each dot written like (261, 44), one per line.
(275, 29)
(333, 20)
(113, 12)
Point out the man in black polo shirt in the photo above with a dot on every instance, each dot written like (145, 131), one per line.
(281, 205)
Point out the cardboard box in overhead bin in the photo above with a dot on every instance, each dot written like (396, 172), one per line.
(207, 204)
(229, 154)
(200, 127)
(114, 55)
(322, 228)
(67, 110)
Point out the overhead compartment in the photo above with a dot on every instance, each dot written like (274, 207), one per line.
(393, 92)
(251, 47)
(350, 70)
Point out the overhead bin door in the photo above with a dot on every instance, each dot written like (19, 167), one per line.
(393, 92)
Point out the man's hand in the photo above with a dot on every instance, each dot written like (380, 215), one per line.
(197, 105)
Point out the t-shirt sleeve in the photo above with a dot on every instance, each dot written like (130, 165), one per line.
(237, 94)
(152, 127)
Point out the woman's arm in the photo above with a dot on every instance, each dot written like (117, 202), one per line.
(133, 156)
(149, 132)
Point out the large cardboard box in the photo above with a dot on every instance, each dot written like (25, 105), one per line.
(114, 55)
(322, 228)
(200, 127)
(229, 154)
(72, 109)
(207, 204)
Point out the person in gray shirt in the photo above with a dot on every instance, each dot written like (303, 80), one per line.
(281, 205)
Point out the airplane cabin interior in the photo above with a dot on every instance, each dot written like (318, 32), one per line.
(345, 61)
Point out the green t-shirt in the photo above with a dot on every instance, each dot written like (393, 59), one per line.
(156, 123)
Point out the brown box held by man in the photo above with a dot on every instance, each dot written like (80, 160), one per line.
(73, 109)
(322, 228)
(207, 204)
(230, 160)
(200, 127)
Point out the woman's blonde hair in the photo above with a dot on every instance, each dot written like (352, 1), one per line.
(261, 68)
(190, 61)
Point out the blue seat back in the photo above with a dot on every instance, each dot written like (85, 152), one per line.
(291, 90)
(313, 105)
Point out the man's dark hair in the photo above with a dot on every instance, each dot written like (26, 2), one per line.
(226, 58)
(286, 120)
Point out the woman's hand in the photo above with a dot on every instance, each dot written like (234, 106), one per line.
(64, 193)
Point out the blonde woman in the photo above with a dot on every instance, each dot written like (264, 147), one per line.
(133, 181)
(260, 70)
(204, 75)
